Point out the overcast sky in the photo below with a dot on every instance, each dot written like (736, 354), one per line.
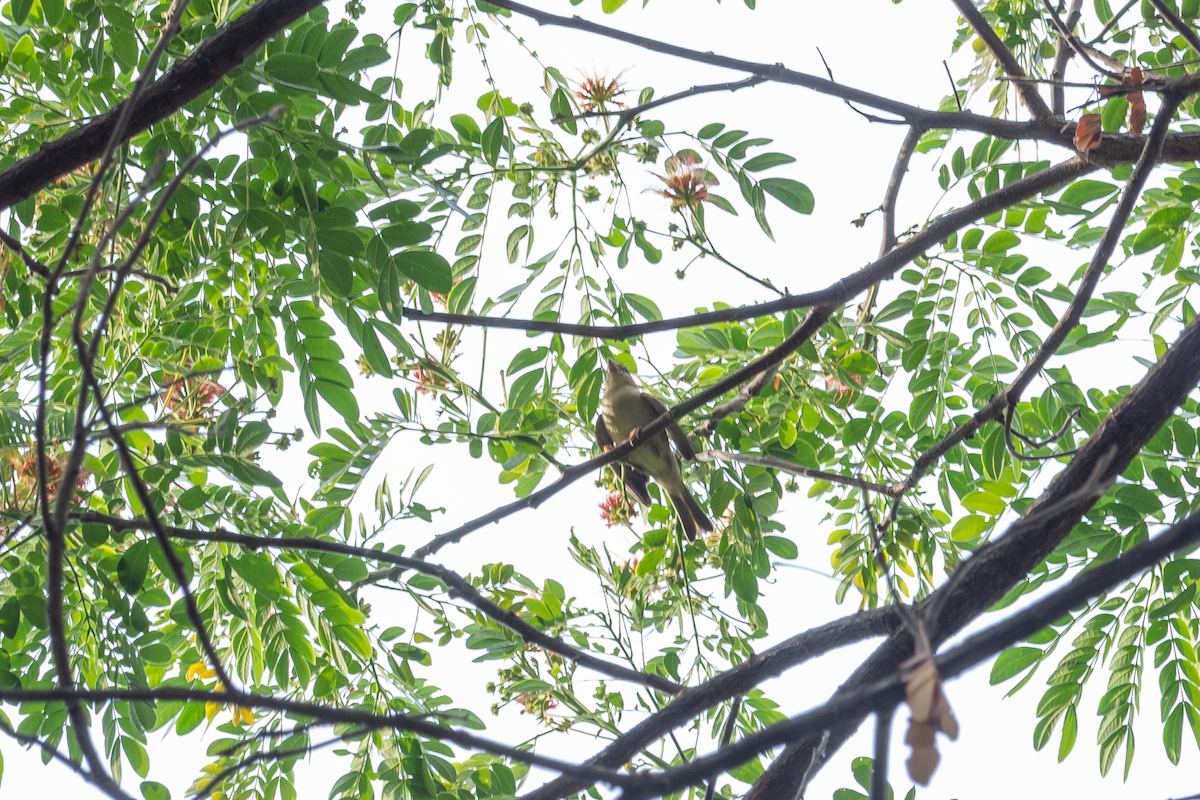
(876, 45)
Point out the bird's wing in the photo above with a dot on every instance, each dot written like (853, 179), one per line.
(633, 478)
(603, 437)
(682, 444)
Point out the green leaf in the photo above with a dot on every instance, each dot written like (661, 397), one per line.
(133, 567)
(1013, 662)
(1070, 729)
(429, 270)
(292, 68)
(784, 548)
(467, 128)
(260, 572)
(512, 248)
(339, 398)
(1085, 191)
(355, 639)
(793, 194)
(10, 617)
(1173, 734)
(1001, 242)
(610, 6)
(644, 306)
(767, 160)
(181, 553)
(650, 562)
(493, 139)
(155, 791)
(190, 718)
(135, 752)
(20, 10)
(390, 280)
(984, 503)
(561, 107)
(373, 351)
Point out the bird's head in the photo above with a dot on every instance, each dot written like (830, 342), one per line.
(618, 374)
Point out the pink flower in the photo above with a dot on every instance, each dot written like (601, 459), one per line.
(615, 510)
(687, 180)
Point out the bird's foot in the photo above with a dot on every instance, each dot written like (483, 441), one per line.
(633, 434)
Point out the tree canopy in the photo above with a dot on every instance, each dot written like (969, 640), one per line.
(226, 225)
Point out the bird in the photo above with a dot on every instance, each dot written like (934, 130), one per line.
(623, 411)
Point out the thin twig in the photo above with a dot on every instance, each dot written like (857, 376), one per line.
(1009, 433)
(954, 86)
(731, 86)
(1064, 31)
(772, 462)
(1070, 318)
(780, 74)
(888, 207)
(457, 586)
(851, 106)
(35, 266)
(1062, 55)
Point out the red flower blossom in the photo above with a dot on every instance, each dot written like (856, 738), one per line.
(687, 180)
(598, 91)
(190, 397)
(615, 510)
(25, 466)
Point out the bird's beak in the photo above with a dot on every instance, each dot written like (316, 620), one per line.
(613, 366)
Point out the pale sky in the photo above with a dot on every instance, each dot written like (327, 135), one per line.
(875, 45)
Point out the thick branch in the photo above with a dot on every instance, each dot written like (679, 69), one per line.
(745, 676)
(888, 690)
(212, 60)
(995, 569)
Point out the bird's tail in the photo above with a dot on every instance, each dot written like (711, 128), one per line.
(691, 515)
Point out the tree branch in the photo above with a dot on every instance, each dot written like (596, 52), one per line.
(779, 74)
(994, 569)
(1066, 323)
(1062, 54)
(738, 680)
(326, 715)
(881, 693)
(185, 81)
(457, 586)
(731, 86)
(1028, 92)
(771, 462)
(1065, 34)
(1176, 22)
